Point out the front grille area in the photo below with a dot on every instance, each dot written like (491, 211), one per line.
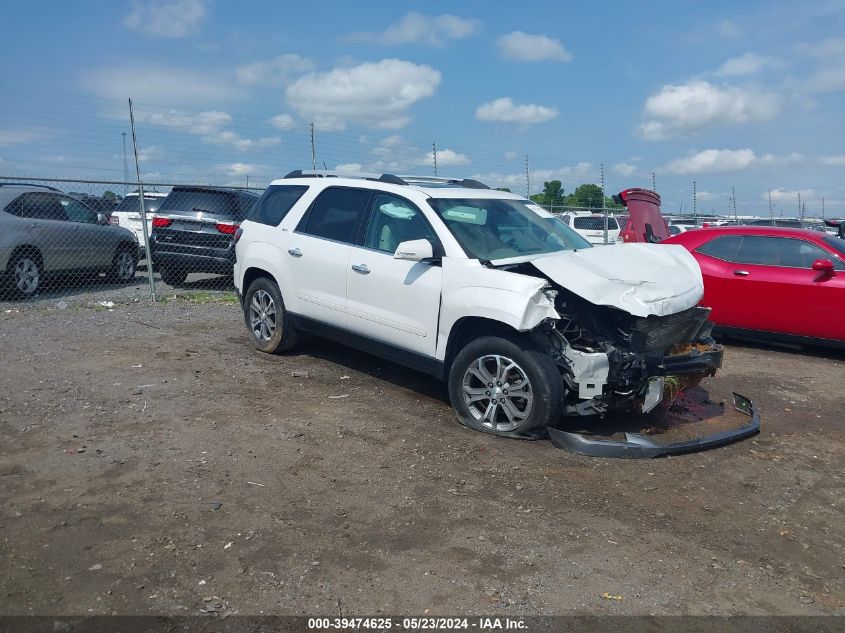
(660, 333)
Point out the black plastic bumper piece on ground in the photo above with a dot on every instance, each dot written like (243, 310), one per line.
(636, 446)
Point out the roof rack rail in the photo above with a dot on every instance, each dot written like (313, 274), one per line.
(328, 173)
(28, 184)
(468, 183)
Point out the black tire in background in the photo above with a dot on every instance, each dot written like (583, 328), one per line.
(266, 319)
(173, 276)
(520, 362)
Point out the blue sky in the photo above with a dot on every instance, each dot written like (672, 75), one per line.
(748, 94)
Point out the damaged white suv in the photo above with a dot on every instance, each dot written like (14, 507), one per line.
(524, 319)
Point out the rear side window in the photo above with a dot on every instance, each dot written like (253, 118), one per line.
(336, 214)
(590, 223)
(779, 251)
(38, 206)
(275, 204)
(133, 203)
(722, 247)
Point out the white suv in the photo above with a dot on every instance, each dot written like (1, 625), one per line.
(590, 226)
(482, 288)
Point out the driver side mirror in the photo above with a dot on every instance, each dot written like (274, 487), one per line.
(824, 266)
(417, 251)
(102, 219)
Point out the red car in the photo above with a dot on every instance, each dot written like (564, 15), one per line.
(768, 282)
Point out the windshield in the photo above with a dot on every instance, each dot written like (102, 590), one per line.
(488, 228)
(133, 203)
(594, 223)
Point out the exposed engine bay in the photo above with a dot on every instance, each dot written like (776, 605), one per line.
(611, 359)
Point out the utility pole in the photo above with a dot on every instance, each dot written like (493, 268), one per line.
(313, 149)
(527, 178)
(144, 227)
(694, 205)
(125, 166)
(733, 202)
(822, 207)
(603, 205)
(799, 204)
(771, 209)
(434, 156)
(653, 182)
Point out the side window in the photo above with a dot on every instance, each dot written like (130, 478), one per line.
(723, 248)
(779, 251)
(274, 205)
(336, 214)
(802, 254)
(40, 206)
(78, 212)
(395, 220)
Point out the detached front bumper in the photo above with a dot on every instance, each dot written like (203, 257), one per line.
(698, 359)
(636, 446)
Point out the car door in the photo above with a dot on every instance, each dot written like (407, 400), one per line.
(93, 246)
(391, 300)
(318, 254)
(47, 225)
(713, 258)
(775, 289)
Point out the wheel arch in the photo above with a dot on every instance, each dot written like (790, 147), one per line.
(469, 328)
(256, 272)
(30, 249)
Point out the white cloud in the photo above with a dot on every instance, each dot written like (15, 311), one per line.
(524, 47)
(570, 175)
(209, 126)
(445, 157)
(826, 80)
(781, 195)
(375, 94)
(746, 64)
(179, 87)
(274, 72)
(834, 161)
(712, 160)
(349, 168)
(17, 136)
(416, 28)
(680, 110)
(504, 110)
(283, 122)
(830, 75)
(239, 169)
(625, 169)
(728, 30)
(166, 18)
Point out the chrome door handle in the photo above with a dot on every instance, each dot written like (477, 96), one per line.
(295, 252)
(741, 273)
(361, 268)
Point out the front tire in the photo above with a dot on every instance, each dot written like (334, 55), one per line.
(26, 275)
(123, 266)
(505, 386)
(266, 319)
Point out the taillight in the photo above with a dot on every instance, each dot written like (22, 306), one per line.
(161, 222)
(113, 219)
(227, 228)
(238, 234)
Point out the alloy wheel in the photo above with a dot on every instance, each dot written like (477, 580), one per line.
(497, 393)
(26, 276)
(262, 315)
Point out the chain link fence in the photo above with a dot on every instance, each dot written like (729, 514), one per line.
(63, 238)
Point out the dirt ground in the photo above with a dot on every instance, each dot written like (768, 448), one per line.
(152, 462)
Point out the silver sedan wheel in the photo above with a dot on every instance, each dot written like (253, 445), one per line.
(262, 315)
(124, 265)
(26, 276)
(497, 393)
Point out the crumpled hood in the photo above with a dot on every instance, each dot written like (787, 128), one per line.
(642, 279)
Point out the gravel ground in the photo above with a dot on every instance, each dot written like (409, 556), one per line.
(152, 462)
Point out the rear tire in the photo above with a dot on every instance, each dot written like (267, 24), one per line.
(173, 277)
(266, 318)
(506, 386)
(26, 274)
(123, 265)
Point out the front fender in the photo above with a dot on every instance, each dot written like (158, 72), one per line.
(471, 290)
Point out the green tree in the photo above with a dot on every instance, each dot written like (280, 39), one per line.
(553, 193)
(111, 196)
(503, 189)
(588, 196)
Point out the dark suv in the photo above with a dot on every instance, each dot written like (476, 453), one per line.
(193, 231)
